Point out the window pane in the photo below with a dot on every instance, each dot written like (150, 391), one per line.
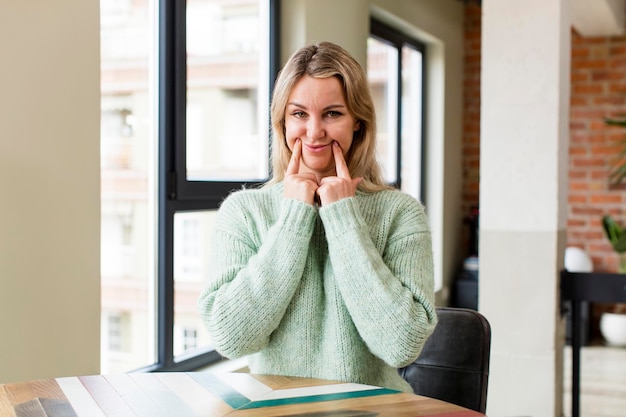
(127, 195)
(411, 121)
(382, 73)
(227, 90)
(192, 248)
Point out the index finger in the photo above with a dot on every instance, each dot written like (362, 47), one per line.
(340, 163)
(294, 162)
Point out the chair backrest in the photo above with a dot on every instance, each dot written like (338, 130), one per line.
(454, 363)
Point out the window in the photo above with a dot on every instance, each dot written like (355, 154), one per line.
(185, 110)
(185, 341)
(115, 333)
(190, 338)
(395, 66)
(128, 167)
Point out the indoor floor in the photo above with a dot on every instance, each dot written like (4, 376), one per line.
(603, 381)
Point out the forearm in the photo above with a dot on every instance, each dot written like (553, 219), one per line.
(386, 283)
(251, 285)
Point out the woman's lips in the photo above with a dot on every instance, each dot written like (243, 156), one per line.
(316, 148)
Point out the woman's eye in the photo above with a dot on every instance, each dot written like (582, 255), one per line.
(333, 113)
(299, 114)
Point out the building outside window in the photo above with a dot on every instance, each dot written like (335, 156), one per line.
(225, 103)
(114, 343)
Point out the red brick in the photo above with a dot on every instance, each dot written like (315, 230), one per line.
(587, 89)
(577, 126)
(597, 137)
(618, 89)
(579, 101)
(597, 124)
(580, 76)
(591, 64)
(610, 100)
(605, 199)
(580, 51)
(587, 211)
(576, 222)
(601, 175)
(606, 150)
(617, 63)
(588, 162)
(578, 186)
(577, 150)
(600, 75)
(589, 113)
(577, 174)
(579, 198)
(618, 50)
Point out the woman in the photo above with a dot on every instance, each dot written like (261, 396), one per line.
(324, 272)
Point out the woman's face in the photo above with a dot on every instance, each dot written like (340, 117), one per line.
(317, 114)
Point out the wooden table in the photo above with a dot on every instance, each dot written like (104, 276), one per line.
(198, 394)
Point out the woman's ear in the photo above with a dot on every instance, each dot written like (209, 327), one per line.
(357, 125)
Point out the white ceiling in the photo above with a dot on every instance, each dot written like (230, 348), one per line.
(599, 17)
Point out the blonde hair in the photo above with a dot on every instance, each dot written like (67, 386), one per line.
(323, 60)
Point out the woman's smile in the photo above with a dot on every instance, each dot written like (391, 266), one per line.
(318, 115)
(317, 148)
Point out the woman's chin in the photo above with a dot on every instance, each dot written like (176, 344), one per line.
(319, 167)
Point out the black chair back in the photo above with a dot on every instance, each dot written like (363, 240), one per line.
(454, 363)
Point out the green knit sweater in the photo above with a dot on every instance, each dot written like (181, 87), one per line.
(343, 292)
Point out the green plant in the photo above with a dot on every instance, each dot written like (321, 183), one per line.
(618, 171)
(616, 234)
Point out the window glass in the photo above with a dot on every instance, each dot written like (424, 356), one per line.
(127, 177)
(192, 248)
(382, 73)
(395, 74)
(161, 179)
(114, 333)
(227, 73)
(411, 116)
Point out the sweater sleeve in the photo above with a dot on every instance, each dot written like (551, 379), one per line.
(385, 275)
(255, 270)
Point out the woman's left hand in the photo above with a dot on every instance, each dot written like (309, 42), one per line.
(335, 188)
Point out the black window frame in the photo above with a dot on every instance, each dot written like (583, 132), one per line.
(175, 194)
(398, 39)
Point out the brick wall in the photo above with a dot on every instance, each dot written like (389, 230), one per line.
(471, 119)
(598, 90)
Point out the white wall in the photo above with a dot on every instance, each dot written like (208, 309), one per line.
(523, 200)
(50, 189)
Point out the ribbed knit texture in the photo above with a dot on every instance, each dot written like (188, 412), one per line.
(342, 293)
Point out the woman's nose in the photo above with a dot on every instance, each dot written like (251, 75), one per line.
(315, 128)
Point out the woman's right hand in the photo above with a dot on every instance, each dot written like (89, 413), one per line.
(299, 186)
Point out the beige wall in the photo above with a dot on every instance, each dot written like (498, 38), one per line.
(440, 26)
(49, 180)
(345, 22)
